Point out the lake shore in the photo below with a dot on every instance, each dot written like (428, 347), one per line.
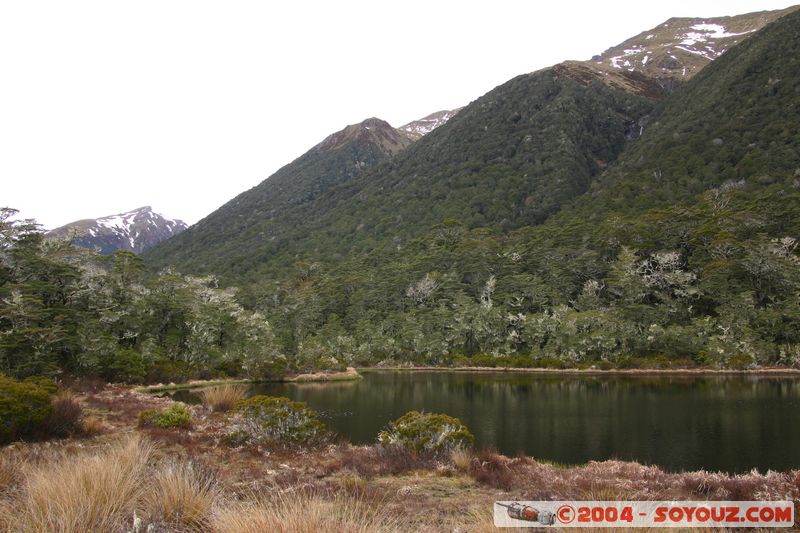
(351, 374)
(766, 371)
(454, 492)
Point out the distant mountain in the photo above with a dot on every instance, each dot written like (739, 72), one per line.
(419, 128)
(373, 131)
(135, 231)
(659, 59)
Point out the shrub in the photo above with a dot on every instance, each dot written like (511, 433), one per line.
(483, 360)
(271, 420)
(25, 407)
(125, 366)
(222, 397)
(426, 432)
(175, 416)
(168, 371)
(267, 368)
(66, 417)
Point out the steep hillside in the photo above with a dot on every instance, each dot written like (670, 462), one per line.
(660, 59)
(684, 253)
(734, 121)
(135, 231)
(258, 223)
(509, 159)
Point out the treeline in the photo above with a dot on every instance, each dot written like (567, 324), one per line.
(710, 282)
(66, 310)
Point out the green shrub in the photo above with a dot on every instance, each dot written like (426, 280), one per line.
(267, 368)
(125, 366)
(482, 360)
(176, 416)
(426, 432)
(25, 407)
(275, 421)
(168, 371)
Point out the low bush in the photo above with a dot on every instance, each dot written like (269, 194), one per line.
(426, 433)
(275, 421)
(176, 416)
(25, 407)
(126, 365)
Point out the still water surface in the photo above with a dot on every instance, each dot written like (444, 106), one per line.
(730, 423)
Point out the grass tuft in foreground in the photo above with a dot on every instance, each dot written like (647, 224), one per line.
(223, 397)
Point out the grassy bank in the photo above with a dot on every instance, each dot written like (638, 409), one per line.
(347, 375)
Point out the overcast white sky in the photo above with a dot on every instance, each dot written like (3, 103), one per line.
(107, 106)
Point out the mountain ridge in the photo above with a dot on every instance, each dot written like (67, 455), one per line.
(136, 230)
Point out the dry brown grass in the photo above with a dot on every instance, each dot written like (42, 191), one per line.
(92, 492)
(182, 495)
(92, 425)
(10, 473)
(67, 415)
(223, 397)
(303, 513)
(461, 458)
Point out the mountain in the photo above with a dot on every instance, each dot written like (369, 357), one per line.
(509, 159)
(135, 231)
(732, 122)
(557, 220)
(419, 128)
(660, 59)
(513, 158)
(261, 222)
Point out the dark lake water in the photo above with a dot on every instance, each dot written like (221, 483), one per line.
(730, 423)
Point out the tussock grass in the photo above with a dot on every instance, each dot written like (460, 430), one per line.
(182, 494)
(302, 513)
(223, 397)
(66, 417)
(10, 473)
(94, 492)
(92, 425)
(461, 458)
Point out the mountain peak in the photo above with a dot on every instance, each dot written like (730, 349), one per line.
(135, 230)
(672, 52)
(372, 130)
(421, 127)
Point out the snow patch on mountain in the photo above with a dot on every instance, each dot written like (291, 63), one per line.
(135, 231)
(419, 128)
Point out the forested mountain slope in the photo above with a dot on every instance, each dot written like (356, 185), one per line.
(509, 159)
(684, 252)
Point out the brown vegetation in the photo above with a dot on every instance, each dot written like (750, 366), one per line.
(223, 397)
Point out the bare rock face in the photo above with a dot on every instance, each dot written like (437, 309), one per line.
(135, 231)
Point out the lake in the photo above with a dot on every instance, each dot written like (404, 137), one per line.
(729, 423)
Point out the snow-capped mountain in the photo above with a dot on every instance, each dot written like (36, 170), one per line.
(655, 60)
(135, 230)
(419, 128)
